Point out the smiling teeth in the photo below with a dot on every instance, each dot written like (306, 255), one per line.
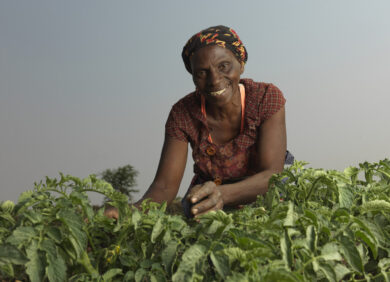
(216, 93)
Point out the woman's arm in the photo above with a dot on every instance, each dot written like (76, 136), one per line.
(169, 173)
(168, 177)
(271, 148)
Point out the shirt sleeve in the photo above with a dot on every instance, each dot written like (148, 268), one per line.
(273, 100)
(176, 124)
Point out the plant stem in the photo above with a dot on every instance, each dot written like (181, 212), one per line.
(84, 261)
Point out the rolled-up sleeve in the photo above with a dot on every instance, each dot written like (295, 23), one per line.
(273, 100)
(176, 124)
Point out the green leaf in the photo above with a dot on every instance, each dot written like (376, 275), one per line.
(386, 276)
(330, 251)
(22, 234)
(281, 275)
(352, 173)
(214, 227)
(221, 264)
(368, 226)
(139, 275)
(369, 241)
(386, 173)
(341, 271)
(33, 216)
(111, 274)
(10, 254)
(377, 232)
(237, 277)
(25, 196)
(311, 238)
(154, 278)
(285, 245)
(74, 223)
(290, 217)
(8, 217)
(168, 255)
(341, 212)
(377, 206)
(320, 180)
(6, 270)
(328, 271)
(234, 253)
(351, 254)
(384, 265)
(190, 259)
(81, 198)
(346, 196)
(313, 217)
(135, 218)
(129, 276)
(176, 223)
(157, 229)
(146, 263)
(7, 206)
(56, 267)
(246, 243)
(35, 268)
(54, 233)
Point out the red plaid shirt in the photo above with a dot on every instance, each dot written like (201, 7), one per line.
(237, 158)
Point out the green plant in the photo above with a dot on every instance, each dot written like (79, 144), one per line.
(312, 225)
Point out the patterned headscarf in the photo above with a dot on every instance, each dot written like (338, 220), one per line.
(216, 35)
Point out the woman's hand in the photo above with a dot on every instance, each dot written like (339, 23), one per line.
(205, 198)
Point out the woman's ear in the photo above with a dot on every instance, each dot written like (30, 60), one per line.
(242, 68)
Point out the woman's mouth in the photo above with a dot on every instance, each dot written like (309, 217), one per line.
(217, 93)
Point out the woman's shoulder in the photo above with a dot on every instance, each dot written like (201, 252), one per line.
(187, 103)
(259, 88)
(263, 99)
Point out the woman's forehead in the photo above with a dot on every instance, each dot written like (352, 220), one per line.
(212, 53)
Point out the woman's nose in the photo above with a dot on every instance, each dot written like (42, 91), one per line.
(214, 78)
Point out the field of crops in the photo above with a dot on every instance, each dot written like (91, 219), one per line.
(313, 225)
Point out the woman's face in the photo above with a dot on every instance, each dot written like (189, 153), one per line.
(216, 73)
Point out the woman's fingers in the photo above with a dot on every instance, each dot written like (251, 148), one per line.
(211, 200)
(194, 189)
(199, 192)
(217, 207)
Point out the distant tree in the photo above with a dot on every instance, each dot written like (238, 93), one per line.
(122, 179)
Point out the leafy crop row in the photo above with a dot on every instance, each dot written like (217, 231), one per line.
(311, 225)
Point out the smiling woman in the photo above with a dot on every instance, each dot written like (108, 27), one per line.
(236, 129)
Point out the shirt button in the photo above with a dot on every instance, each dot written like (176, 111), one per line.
(210, 151)
(217, 181)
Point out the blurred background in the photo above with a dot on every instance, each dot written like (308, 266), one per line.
(87, 85)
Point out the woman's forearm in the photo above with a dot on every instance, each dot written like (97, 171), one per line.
(159, 193)
(247, 190)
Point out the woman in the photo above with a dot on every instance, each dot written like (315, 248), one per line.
(236, 129)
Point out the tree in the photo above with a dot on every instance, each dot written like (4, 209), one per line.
(122, 179)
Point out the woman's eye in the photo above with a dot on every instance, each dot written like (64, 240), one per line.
(224, 66)
(201, 73)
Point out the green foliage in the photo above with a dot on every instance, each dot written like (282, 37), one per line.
(122, 179)
(311, 225)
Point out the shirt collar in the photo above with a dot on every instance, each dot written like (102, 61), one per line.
(251, 105)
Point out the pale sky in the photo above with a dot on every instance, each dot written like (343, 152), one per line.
(88, 85)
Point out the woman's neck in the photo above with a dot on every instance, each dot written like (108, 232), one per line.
(228, 110)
